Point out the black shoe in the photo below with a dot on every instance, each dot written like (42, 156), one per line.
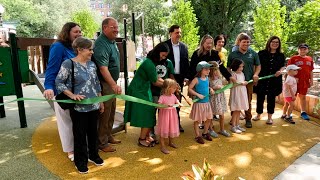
(248, 124)
(181, 129)
(289, 120)
(82, 168)
(97, 161)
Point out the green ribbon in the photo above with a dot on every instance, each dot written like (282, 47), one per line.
(95, 100)
(123, 97)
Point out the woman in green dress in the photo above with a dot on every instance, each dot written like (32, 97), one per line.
(140, 115)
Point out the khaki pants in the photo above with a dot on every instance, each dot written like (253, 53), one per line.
(106, 119)
(249, 92)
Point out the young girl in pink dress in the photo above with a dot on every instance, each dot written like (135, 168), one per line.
(238, 100)
(201, 110)
(168, 124)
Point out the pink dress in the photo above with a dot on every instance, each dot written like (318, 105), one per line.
(168, 125)
(238, 95)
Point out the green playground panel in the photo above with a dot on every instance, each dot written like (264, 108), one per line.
(6, 75)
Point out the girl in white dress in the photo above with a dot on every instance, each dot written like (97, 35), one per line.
(238, 100)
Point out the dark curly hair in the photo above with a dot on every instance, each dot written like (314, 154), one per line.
(236, 64)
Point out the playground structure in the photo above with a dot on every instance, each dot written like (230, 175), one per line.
(25, 61)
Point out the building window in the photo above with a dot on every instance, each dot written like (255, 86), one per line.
(100, 5)
(109, 5)
(101, 13)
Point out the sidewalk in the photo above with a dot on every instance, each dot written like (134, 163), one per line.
(18, 161)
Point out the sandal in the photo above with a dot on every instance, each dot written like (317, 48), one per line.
(256, 118)
(142, 144)
(269, 122)
(173, 145)
(164, 151)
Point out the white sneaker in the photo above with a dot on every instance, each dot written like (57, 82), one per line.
(240, 128)
(236, 130)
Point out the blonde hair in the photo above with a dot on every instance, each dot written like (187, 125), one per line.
(203, 39)
(240, 37)
(214, 68)
(168, 83)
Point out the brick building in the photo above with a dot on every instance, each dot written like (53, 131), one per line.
(101, 7)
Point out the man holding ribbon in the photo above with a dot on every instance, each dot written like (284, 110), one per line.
(107, 57)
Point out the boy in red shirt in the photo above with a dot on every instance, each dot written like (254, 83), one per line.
(304, 76)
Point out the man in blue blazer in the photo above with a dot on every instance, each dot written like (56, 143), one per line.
(178, 55)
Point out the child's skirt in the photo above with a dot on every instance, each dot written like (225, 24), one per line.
(201, 112)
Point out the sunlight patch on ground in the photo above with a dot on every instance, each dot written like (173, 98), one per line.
(193, 147)
(242, 160)
(43, 151)
(273, 132)
(133, 152)
(113, 162)
(160, 168)
(243, 137)
(154, 161)
(5, 157)
(221, 170)
(284, 151)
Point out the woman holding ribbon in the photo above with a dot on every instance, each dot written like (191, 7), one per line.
(60, 51)
(272, 62)
(141, 115)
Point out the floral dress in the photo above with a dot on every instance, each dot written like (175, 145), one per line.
(218, 101)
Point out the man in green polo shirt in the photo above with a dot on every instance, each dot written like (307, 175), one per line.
(251, 68)
(107, 57)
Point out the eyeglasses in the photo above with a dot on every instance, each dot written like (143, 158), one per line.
(275, 42)
(114, 27)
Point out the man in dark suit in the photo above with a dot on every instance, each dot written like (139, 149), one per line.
(179, 57)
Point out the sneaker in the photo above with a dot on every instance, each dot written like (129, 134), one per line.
(213, 134)
(248, 124)
(289, 120)
(240, 128)
(225, 133)
(97, 161)
(305, 116)
(283, 116)
(242, 117)
(199, 140)
(71, 157)
(201, 126)
(83, 169)
(256, 118)
(207, 137)
(236, 130)
(269, 122)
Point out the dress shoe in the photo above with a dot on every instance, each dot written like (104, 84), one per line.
(114, 141)
(181, 129)
(248, 124)
(108, 149)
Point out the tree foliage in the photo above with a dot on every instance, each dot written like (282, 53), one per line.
(183, 15)
(304, 26)
(269, 20)
(222, 16)
(40, 18)
(154, 12)
(85, 19)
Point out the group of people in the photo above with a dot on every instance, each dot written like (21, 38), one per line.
(82, 69)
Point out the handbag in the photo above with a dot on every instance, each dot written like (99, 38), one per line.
(63, 96)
